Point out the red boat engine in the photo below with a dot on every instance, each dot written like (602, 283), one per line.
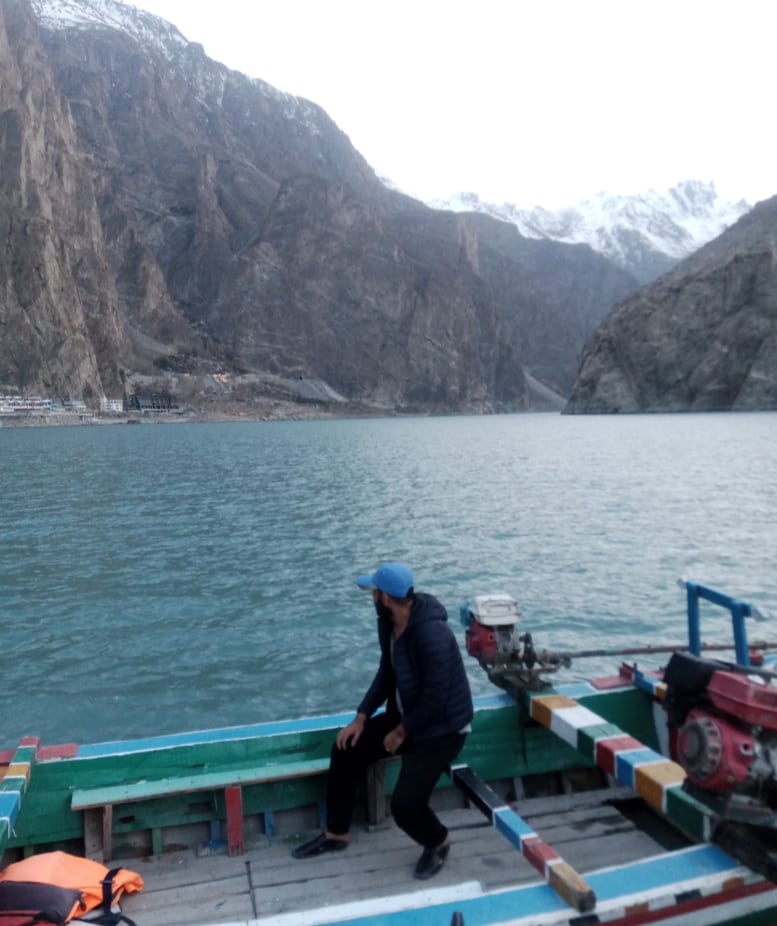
(491, 622)
(726, 728)
(509, 659)
(715, 753)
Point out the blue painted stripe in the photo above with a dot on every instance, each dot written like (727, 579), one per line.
(627, 762)
(510, 825)
(225, 734)
(10, 801)
(250, 731)
(646, 682)
(533, 901)
(492, 701)
(662, 871)
(576, 690)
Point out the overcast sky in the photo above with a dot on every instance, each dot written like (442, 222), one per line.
(533, 102)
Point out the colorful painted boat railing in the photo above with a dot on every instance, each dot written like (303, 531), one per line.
(559, 874)
(41, 812)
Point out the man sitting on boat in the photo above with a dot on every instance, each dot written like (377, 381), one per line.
(422, 682)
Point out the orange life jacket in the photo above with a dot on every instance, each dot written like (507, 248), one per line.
(91, 879)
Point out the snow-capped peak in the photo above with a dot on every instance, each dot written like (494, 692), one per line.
(157, 34)
(145, 27)
(673, 223)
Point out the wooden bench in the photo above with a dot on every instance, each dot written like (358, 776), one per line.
(98, 803)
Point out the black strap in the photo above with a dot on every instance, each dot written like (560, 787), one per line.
(108, 917)
(107, 885)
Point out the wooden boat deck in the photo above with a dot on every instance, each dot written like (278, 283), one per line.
(589, 829)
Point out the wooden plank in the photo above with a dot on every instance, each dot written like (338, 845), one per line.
(93, 834)
(561, 876)
(107, 830)
(184, 890)
(86, 798)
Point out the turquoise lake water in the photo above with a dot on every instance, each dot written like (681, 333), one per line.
(175, 577)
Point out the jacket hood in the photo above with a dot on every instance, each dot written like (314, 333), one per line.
(426, 608)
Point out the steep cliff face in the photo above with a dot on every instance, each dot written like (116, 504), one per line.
(328, 288)
(61, 330)
(247, 234)
(549, 296)
(220, 226)
(702, 338)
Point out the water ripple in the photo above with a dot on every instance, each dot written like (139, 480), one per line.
(176, 577)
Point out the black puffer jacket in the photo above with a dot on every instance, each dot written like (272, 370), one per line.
(430, 674)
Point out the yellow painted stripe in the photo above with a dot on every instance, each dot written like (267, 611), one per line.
(652, 780)
(542, 708)
(731, 883)
(636, 908)
(19, 770)
(569, 885)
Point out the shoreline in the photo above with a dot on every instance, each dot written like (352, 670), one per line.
(275, 411)
(289, 412)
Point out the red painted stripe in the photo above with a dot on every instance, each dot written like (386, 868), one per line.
(606, 751)
(234, 801)
(538, 853)
(610, 681)
(62, 751)
(718, 899)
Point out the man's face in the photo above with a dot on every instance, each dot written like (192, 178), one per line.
(381, 605)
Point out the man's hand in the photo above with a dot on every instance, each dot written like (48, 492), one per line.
(349, 736)
(393, 740)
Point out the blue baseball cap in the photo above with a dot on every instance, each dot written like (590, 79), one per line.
(392, 578)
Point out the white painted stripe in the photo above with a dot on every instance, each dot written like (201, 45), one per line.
(566, 721)
(416, 900)
(659, 899)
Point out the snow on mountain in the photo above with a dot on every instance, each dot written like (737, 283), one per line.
(154, 32)
(646, 233)
(145, 27)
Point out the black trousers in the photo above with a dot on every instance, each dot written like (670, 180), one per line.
(422, 765)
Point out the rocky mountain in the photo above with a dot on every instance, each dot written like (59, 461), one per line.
(172, 224)
(701, 338)
(59, 312)
(646, 234)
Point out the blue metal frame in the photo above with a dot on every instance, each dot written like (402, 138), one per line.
(739, 611)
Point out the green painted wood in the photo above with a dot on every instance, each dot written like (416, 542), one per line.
(587, 738)
(631, 709)
(46, 816)
(494, 750)
(84, 798)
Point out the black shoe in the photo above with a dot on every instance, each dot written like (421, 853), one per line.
(319, 844)
(430, 863)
